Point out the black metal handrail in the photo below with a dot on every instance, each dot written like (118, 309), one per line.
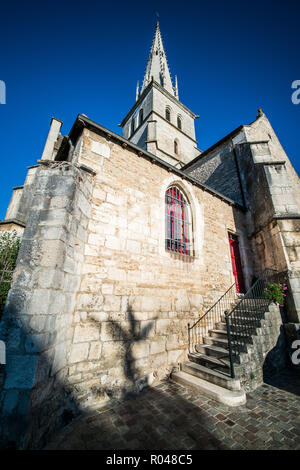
(245, 317)
(200, 328)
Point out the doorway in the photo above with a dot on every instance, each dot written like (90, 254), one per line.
(236, 263)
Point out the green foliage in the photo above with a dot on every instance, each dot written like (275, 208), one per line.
(275, 292)
(9, 247)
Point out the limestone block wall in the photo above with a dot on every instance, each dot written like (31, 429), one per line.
(218, 169)
(162, 99)
(37, 326)
(20, 202)
(165, 137)
(12, 209)
(135, 298)
(271, 194)
(268, 250)
(266, 352)
(154, 103)
(145, 103)
(260, 130)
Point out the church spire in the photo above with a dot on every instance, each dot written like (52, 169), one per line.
(157, 66)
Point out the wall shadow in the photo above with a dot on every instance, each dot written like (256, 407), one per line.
(278, 370)
(155, 419)
(287, 379)
(56, 408)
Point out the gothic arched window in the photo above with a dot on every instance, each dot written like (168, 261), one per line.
(141, 114)
(179, 122)
(177, 221)
(168, 113)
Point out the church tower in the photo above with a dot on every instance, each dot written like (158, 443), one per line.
(159, 122)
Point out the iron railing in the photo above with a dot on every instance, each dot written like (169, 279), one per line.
(245, 317)
(200, 328)
(242, 316)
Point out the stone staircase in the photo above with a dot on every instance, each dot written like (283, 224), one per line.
(208, 367)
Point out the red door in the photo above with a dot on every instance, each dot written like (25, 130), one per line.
(236, 263)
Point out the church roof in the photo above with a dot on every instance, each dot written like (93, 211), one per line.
(83, 121)
(157, 66)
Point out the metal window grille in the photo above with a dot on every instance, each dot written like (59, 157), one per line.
(177, 222)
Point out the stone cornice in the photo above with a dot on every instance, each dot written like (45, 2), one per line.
(12, 221)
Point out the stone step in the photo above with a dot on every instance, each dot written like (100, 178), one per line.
(221, 326)
(212, 350)
(248, 306)
(210, 390)
(256, 300)
(252, 304)
(216, 333)
(220, 365)
(221, 352)
(218, 378)
(246, 312)
(239, 324)
(220, 342)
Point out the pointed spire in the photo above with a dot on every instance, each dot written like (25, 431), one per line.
(157, 66)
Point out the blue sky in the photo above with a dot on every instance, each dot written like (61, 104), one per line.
(69, 57)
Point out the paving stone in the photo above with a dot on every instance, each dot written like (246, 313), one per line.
(171, 417)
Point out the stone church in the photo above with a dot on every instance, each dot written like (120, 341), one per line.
(126, 241)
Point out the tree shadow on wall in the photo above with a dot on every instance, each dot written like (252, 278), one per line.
(140, 416)
(129, 337)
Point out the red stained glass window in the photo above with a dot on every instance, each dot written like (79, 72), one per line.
(177, 222)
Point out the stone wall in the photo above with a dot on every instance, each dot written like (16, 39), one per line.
(164, 143)
(135, 299)
(266, 352)
(146, 104)
(159, 140)
(270, 191)
(98, 308)
(250, 165)
(162, 99)
(20, 203)
(218, 169)
(37, 326)
(261, 130)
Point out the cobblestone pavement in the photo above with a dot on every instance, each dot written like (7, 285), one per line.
(171, 417)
